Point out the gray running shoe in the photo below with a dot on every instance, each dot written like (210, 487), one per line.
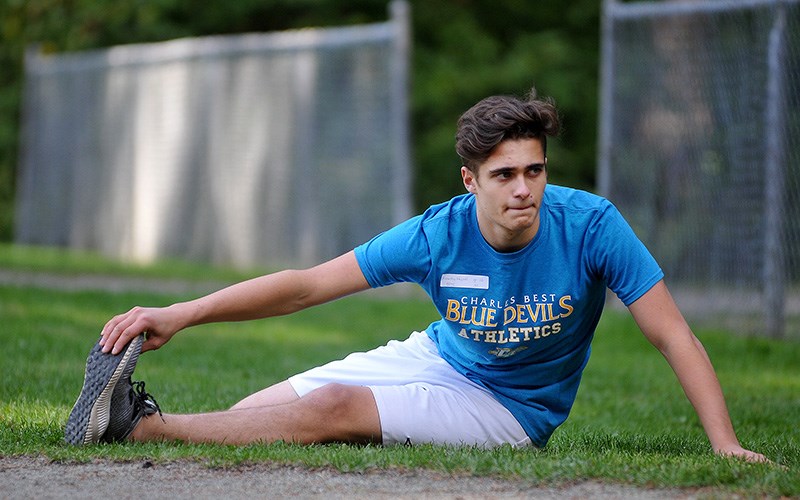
(89, 418)
(129, 403)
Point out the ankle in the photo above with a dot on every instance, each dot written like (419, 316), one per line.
(139, 432)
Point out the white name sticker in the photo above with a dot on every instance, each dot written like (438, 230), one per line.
(464, 281)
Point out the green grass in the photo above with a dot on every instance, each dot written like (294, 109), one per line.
(631, 423)
(53, 260)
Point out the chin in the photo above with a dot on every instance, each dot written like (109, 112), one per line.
(527, 216)
(523, 223)
(518, 226)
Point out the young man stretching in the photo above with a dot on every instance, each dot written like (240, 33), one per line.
(518, 271)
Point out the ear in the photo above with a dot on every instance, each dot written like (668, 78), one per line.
(470, 181)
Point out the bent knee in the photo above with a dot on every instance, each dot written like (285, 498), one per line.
(349, 411)
(337, 398)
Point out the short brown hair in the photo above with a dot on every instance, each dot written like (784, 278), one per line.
(497, 118)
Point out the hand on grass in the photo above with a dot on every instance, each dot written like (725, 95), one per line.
(739, 452)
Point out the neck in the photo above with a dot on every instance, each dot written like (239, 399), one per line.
(505, 240)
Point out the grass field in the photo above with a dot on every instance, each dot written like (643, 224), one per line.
(631, 423)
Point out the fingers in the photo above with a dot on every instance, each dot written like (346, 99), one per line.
(753, 457)
(749, 456)
(121, 329)
(152, 342)
(159, 324)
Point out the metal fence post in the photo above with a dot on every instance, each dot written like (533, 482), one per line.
(774, 273)
(606, 100)
(401, 172)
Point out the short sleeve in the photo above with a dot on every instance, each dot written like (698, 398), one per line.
(400, 254)
(619, 257)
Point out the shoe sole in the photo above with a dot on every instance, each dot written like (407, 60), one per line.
(89, 417)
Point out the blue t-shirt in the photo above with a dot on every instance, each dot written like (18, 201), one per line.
(518, 323)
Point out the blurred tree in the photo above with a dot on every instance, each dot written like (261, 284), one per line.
(463, 50)
(467, 49)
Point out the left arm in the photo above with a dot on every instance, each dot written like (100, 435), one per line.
(664, 326)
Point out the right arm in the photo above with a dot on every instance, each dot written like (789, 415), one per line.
(275, 294)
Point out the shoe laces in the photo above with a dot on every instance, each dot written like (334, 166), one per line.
(144, 400)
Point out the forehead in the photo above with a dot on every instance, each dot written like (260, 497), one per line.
(515, 153)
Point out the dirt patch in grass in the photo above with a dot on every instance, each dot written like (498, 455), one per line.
(38, 477)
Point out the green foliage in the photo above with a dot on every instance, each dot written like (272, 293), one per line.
(463, 50)
(488, 48)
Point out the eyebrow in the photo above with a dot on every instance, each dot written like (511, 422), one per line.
(499, 170)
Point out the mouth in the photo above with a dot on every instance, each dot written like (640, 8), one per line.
(522, 209)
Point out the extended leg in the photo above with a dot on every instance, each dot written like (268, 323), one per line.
(334, 412)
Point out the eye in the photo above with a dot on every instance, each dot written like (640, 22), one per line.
(536, 169)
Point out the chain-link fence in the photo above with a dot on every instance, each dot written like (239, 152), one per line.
(700, 149)
(260, 149)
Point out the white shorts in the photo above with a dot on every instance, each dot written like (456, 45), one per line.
(420, 397)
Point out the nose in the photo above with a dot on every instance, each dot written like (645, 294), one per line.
(521, 189)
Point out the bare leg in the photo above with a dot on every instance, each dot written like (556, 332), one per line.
(334, 412)
(278, 394)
